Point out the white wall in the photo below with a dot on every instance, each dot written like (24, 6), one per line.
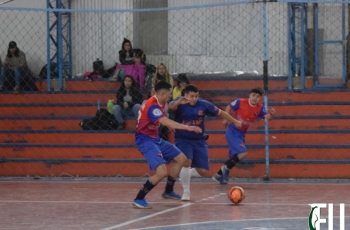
(226, 38)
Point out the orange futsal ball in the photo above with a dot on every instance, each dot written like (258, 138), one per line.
(236, 194)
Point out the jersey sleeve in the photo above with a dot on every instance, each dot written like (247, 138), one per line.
(154, 113)
(235, 104)
(263, 111)
(212, 109)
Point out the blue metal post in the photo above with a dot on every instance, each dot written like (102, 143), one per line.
(316, 43)
(59, 45)
(266, 91)
(302, 45)
(290, 74)
(48, 46)
(344, 44)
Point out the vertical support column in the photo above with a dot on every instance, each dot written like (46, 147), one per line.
(59, 39)
(317, 72)
(266, 89)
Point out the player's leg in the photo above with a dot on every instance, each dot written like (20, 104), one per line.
(151, 151)
(200, 164)
(172, 154)
(185, 173)
(238, 150)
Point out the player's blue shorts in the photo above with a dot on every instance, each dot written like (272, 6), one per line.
(236, 142)
(196, 150)
(156, 151)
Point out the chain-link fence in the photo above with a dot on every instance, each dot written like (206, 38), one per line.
(219, 45)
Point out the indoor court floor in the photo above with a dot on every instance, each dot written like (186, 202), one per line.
(107, 204)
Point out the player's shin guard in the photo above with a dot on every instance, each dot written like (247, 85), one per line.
(148, 186)
(230, 163)
(185, 176)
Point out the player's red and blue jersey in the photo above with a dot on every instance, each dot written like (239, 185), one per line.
(194, 116)
(148, 119)
(246, 113)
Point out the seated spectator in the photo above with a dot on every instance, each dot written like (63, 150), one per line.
(162, 74)
(126, 57)
(126, 54)
(136, 70)
(15, 65)
(129, 99)
(182, 82)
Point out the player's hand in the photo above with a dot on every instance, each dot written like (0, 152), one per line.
(182, 100)
(126, 105)
(272, 111)
(195, 129)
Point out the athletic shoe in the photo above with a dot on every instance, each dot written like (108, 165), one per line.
(141, 204)
(186, 196)
(225, 173)
(219, 179)
(171, 195)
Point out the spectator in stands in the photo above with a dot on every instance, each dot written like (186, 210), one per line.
(15, 64)
(161, 74)
(182, 82)
(126, 54)
(129, 99)
(136, 70)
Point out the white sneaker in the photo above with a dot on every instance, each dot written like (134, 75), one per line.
(186, 196)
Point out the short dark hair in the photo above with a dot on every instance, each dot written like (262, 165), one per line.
(182, 78)
(162, 85)
(189, 88)
(257, 90)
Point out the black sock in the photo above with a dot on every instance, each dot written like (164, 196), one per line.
(170, 185)
(230, 163)
(144, 190)
(219, 172)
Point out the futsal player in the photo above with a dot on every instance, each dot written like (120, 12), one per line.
(156, 151)
(191, 110)
(246, 110)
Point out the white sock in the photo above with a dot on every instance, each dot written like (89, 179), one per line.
(194, 173)
(185, 177)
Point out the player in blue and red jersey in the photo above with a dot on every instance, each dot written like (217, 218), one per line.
(191, 110)
(246, 110)
(158, 152)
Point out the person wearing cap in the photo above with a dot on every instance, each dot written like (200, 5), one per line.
(15, 64)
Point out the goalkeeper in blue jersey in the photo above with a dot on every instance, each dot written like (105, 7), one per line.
(191, 110)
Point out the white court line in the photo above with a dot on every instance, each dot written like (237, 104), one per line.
(226, 221)
(146, 217)
(200, 202)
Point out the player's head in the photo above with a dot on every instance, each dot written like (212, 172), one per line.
(191, 93)
(163, 91)
(255, 95)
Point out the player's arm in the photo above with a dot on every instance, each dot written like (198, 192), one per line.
(174, 125)
(227, 110)
(174, 104)
(228, 118)
(270, 113)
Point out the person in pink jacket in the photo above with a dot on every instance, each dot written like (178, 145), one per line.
(136, 70)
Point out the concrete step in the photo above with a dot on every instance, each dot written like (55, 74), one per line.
(128, 137)
(211, 123)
